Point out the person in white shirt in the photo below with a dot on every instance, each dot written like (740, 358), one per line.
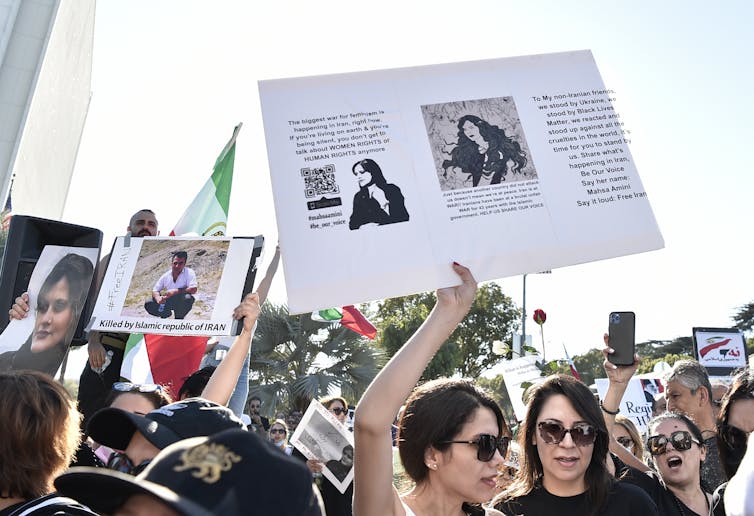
(173, 292)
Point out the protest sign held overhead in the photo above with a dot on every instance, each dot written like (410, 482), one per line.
(175, 285)
(507, 166)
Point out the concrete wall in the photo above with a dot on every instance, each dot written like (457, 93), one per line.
(45, 87)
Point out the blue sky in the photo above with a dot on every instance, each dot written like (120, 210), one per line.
(172, 78)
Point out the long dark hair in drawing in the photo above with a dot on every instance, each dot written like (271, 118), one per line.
(484, 150)
(377, 201)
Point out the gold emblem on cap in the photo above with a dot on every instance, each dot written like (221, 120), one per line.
(209, 461)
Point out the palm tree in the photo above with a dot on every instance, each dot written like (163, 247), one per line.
(295, 359)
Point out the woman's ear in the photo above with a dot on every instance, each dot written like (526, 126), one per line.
(431, 456)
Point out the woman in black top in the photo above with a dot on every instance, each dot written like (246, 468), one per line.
(676, 447)
(565, 443)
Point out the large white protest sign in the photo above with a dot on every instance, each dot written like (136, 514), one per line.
(175, 285)
(382, 179)
(321, 436)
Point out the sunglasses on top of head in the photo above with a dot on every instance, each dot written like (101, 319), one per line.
(136, 387)
(486, 446)
(553, 432)
(681, 441)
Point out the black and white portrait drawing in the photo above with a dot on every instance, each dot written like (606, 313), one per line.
(477, 143)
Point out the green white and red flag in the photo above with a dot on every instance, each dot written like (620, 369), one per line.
(167, 359)
(207, 215)
(574, 372)
(349, 317)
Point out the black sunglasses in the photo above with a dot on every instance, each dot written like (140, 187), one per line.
(277, 430)
(552, 432)
(680, 439)
(136, 387)
(486, 446)
(338, 411)
(122, 462)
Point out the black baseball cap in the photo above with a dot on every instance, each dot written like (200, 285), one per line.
(231, 473)
(192, 417)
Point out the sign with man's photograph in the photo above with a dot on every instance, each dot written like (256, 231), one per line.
(58, 291)
(174, 286)
(508, 166)
(322, 437)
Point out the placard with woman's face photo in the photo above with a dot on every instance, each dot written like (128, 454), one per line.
(58, 291)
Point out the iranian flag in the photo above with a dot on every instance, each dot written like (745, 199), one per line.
(348, 316)
(162, 359)
(165, 359)
(207, 215)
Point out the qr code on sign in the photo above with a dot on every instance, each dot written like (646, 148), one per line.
(319, 181)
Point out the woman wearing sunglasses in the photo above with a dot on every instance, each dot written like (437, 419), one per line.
(734, 425)
(627, 435)
(675, 445)
(451, 435)
(336, 503)
(562, 467)
(677, 451)
(279, 436)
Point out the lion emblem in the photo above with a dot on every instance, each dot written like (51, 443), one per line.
(208, 460)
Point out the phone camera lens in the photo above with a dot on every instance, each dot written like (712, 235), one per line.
(615, 318)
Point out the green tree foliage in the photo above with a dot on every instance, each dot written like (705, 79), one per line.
(659, 348)
(589, 366)
(647, 364)
(468, 351)
(496, 387)
(295, 359)
(744, 318)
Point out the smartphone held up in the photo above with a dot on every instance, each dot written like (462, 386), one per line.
(621, 329)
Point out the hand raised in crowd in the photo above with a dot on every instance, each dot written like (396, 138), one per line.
(458, 300)
(248, 310)
(617, 374)
(20, 308)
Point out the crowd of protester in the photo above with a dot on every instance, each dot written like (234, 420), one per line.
(215, 450)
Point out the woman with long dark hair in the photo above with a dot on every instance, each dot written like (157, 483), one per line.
(451, 435)
(734, 425)
(59, 305)
(484, 150)
(377, 201)
(562, 468)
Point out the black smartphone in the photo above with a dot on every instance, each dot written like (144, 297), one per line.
(621, 332)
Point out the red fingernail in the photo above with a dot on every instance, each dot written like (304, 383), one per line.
(456, 263)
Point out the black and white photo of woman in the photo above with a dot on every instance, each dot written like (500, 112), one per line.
(377, 201)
